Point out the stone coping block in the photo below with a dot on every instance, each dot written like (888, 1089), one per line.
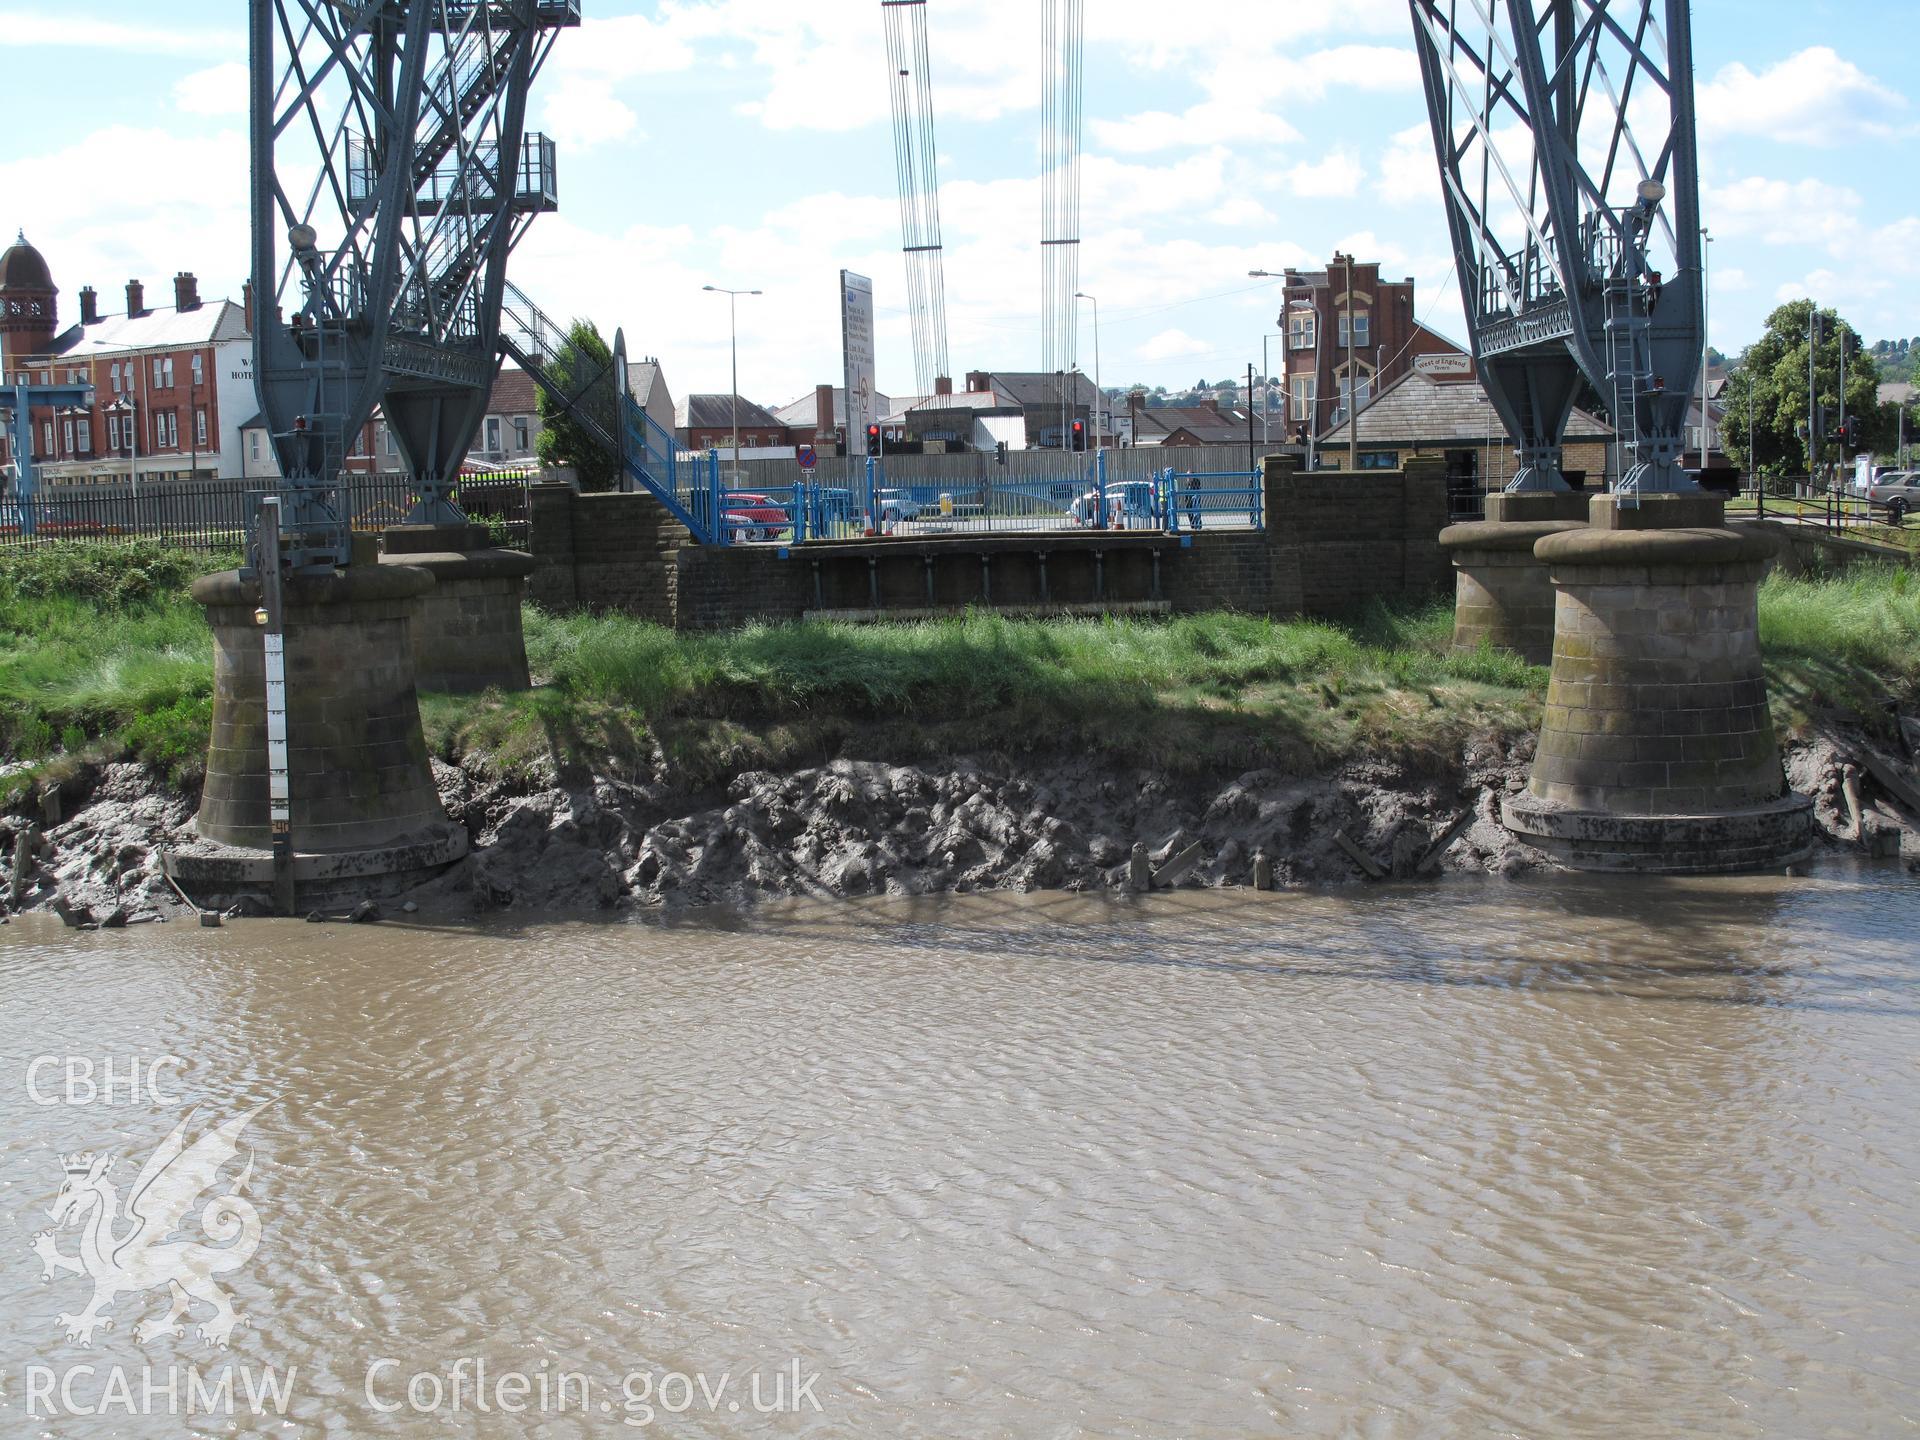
(487, 564)
(1670, 548)
(357, 584)
(428, 539)
(1503, 534)
(1656, 512)
(1526, 506)
(1761, 837)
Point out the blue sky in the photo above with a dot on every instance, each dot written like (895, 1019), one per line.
(746, 143)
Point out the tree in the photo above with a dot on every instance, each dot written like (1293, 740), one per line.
(1771, 386)
(583, 368)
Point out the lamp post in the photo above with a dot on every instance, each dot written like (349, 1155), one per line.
(1100, 393)
(1706, 418)
(733, 344)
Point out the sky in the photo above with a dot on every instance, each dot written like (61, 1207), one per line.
(747, 144)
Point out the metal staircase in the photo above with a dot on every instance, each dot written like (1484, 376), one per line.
(598, 402)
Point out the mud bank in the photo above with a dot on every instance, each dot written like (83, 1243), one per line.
(863, 827)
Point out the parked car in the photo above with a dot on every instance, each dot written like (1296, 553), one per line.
(747, 516)
(893, 506)
(1129, 507)
(1897, 492)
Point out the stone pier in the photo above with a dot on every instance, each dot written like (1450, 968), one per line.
(1502, 594)
(366, 817)
(1657, 754)
(467, 635)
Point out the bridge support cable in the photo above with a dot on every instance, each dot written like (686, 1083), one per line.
(916, 159)
(1062, 33)
(1564, 133)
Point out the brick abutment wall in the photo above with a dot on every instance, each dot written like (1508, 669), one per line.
(1333, 541)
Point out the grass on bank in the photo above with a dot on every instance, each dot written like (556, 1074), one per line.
(102, 653)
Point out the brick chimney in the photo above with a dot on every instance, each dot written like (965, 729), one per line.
(943, 385)
(186, 291)
(1136, 401)
(246, 304)
(823, 411)
(136, 299)
(1212, 402)
(89, 305)
(978, 380)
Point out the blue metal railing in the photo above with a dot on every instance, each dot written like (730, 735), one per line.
(877, 504)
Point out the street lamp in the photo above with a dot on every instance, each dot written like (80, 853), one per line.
(733, 343)
(1100, 393)
(1313, 405)
(1706, 418)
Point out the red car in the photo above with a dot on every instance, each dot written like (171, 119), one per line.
(752, 517)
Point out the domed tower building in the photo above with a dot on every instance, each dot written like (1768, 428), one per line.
(29, 313)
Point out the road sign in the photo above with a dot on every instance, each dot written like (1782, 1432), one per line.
(808, 459)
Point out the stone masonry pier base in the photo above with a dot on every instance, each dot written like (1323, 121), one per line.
(1503, 596)
(366, 817)
(466, 630)
(1657, 754)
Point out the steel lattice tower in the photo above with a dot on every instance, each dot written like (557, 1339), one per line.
(391, 161)
(1565, 135)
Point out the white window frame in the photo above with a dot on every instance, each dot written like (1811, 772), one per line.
(253, 438)
(199, 368)
(1302, 392)
(166, 368)
(1362, 330)
(200, 427)
(521, 430)
(1302, 329)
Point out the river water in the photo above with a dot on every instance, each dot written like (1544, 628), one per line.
(1556, 1157)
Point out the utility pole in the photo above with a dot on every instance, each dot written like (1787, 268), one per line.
(733, 344)
(1706, 420)
(1100, 396)
(1353, 410)
(1813, 399)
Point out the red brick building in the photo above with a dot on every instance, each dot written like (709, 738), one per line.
(171, 384)
(1348, 332)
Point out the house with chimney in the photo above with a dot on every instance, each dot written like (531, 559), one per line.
(172, 383)
(1207, 423)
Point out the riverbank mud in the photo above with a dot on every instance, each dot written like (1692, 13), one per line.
(854, 827)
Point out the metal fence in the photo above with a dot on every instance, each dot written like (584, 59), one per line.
(217, 514)
(1086, 498)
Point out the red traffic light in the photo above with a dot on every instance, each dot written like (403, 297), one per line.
(1079, 434)
(873, 439)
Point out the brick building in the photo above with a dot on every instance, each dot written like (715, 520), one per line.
(172, 384)
(1347, 331)
(1208, 423)
(1440, 409)
(706, 422)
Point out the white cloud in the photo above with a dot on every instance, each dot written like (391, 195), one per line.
(1241, 210)
(585, 112)
(217, 90)
(1338, 176)
(89, 32)
(1780, 212)
(1171, 345)
(1408, 175)
(1811, 98)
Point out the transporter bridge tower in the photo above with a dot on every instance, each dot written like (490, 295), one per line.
(1564, 131)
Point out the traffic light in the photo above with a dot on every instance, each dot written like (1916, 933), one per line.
(1853, 432)
(1000, 453)
(873, 439)
(1079, 435)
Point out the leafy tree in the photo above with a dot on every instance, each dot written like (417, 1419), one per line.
(1771, 387)
(583, 368)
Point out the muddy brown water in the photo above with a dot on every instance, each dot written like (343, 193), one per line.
(1557, 1157)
